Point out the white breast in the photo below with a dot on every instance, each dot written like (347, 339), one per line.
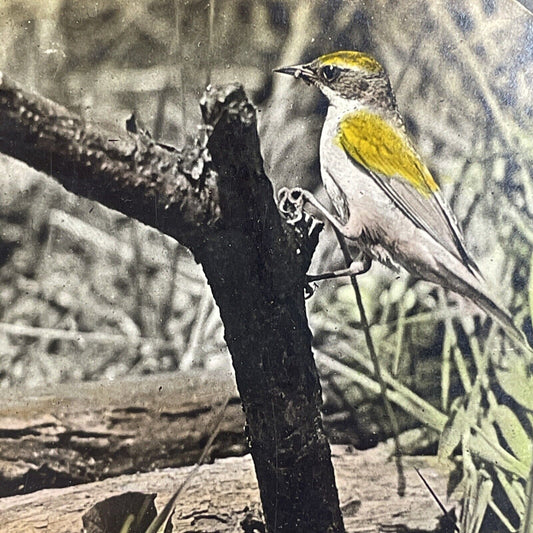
(369, 216)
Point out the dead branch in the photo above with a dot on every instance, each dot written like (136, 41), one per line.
(214, 197)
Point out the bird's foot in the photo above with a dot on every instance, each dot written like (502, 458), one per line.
(291, 203)
(309, 290)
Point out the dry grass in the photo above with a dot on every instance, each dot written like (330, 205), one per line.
(80, 278)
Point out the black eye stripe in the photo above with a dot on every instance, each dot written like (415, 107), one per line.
(330, 72)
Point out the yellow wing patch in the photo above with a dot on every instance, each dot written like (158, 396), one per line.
(377, 146)
(351, 59)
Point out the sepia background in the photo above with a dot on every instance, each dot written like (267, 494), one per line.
(86, 293)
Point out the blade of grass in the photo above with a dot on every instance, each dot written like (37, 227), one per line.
(446, 370)
(516, 436)
(515, 493)
(497, 456)
(462, 370)
(127, 524)
(447, 347)
(530, 288)
(452, 434)
(480, 498)
(400, 330)
(401, 395)
(161, 518)
(527, 523)
(457, 354)
(437, 500)
(504, 520)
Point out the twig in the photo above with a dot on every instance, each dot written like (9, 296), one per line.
(528, 518)
(138, 281)
(178, 43)
(437, 500)
(377, 368)
(210, 42)
(167, 305)
(175, 54)
(198, 330)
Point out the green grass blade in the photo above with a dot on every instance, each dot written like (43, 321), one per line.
(400, 394)
(514, 491)
(531, 287)
(527, 522)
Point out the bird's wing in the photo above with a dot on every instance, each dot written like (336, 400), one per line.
(391, 161)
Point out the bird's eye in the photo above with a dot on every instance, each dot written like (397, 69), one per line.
(330, 73)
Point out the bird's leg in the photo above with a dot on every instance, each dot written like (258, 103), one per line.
(291, 203)
(359, 266)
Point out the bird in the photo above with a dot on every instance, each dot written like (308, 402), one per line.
(387, 201)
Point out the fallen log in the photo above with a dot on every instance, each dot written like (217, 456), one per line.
(85, 432)
(224, 494)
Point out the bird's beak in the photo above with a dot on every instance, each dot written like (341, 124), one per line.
(298, 71)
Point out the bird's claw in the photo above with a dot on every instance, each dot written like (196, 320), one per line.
(309, 290)
(291, 203)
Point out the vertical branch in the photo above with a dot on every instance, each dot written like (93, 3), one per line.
(174, 62)
(178, 47)
(267, 333)
(165, 313)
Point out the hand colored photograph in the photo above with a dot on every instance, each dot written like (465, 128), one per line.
(266, 266)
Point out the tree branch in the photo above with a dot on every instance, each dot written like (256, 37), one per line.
(214, 197)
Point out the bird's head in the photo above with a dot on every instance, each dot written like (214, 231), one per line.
(346, 79)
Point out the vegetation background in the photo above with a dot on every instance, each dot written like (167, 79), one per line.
(86, 293)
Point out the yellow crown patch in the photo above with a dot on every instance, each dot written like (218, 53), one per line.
(351, 59)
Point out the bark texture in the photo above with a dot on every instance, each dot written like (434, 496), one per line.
(91, 431)
(214, 197)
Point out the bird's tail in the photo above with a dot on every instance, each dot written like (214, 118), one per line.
(470, 287)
